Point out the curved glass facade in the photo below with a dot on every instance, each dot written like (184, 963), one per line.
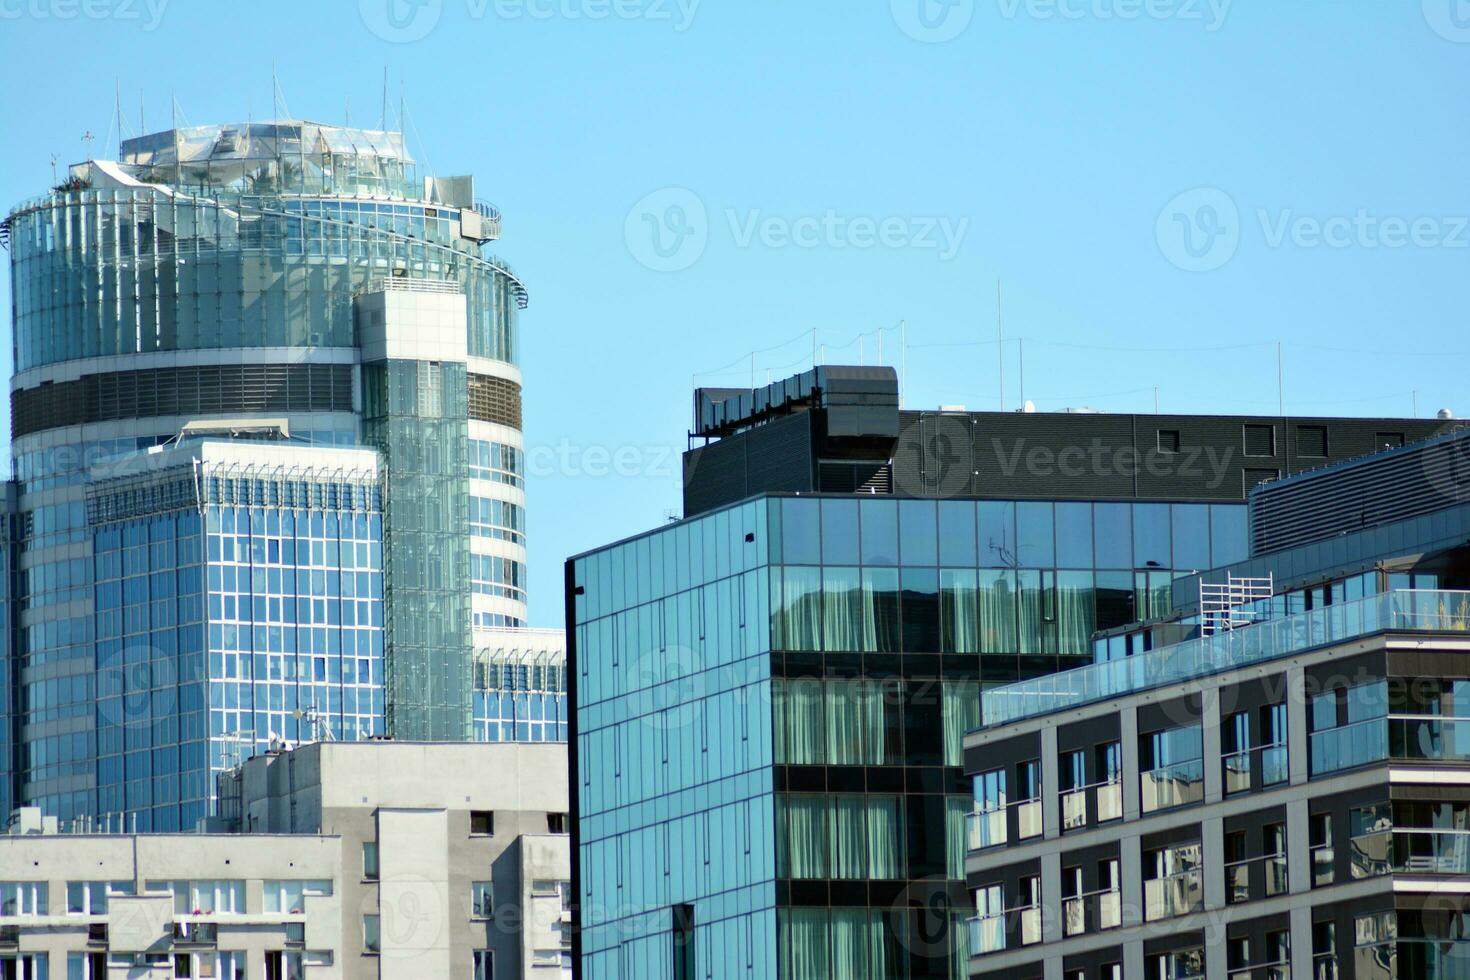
(100, 272)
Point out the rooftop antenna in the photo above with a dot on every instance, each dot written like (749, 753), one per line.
(903, 359)
(1280, 383)
(117, 111)
(383, 119)
(1000, 348)
(53, 169)
(142, 127)
(275, 89)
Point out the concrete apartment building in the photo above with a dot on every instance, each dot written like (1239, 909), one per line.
(333, 860)
(1269, 786)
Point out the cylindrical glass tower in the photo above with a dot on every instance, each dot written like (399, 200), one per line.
(210, 276)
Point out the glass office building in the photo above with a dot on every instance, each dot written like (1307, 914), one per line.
(286, 284)
(771, 701)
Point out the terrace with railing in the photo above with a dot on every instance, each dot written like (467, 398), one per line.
(1409, 610)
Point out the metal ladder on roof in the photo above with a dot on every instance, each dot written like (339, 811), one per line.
(1222, 605)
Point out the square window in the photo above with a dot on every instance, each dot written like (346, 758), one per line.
(1169, 441)
(1311, 440)
(1260, 440)
(556, 823)
(482, 823)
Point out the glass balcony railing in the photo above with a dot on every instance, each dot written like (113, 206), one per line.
(1091, 912)
(989, 828)
(1074, 809)
(1238, 878)
(1107, 797)
(1175, 785)
(1427, 610)
(1237, 766)
(1417, 851)
(1349, 746)
(1274, 768)
(1177, 894)
(987, 934)
(1324, 966)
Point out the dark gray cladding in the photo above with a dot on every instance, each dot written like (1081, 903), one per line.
(839, 430)
(1384, 488)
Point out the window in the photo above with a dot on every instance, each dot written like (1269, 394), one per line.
(90, 897)
(556, 823)
(285, 965)
(1172, 882)
(683, 942)
(482, 900)
(1273, 846)
(988, 828)
(1311, 440)
(371, 940)
(1324, 867)
(1028, 798)
(1274, 767)
(22, 898)
(1172, 768)
(1181, 964)
(1389, 440)
(1169, 441)
(1073, 791)
(1109, 760)
(1260, 440)
(370, 860)
(288, 896)
(484, 965)
(1235, 745)
(482, 823)
(86, 966)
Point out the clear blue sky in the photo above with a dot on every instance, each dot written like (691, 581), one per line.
(1051, 138)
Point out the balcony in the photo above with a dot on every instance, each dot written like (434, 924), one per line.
(988, 933)
(195, 933)
(1412, 851)
(989, 828)
(1091, 912)
(1176, 894)
(1239, 767)
(1174, 785)
(1108, 797)
(1420, 610)
(1238, 878)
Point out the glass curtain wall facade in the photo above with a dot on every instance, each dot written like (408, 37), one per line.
(415, 412)
(866, 630)
(209, 274)
(236, 609)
